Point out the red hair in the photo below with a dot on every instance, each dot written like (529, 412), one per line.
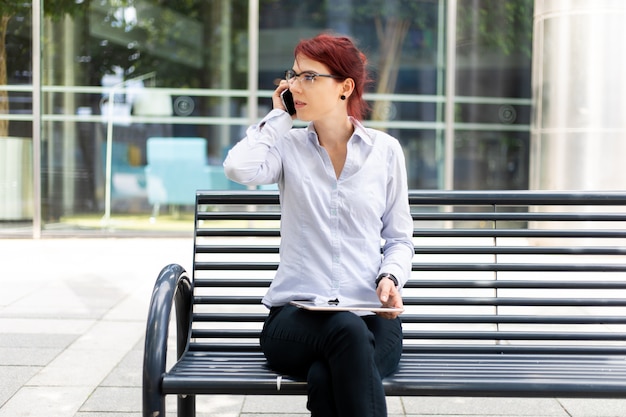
(343, 59)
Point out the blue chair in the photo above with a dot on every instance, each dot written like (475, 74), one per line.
(177, 168)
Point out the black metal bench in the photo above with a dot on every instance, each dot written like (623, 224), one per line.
(519, 294)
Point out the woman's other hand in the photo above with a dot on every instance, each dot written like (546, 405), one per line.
(389, 296)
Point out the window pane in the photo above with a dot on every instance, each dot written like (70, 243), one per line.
(492, 117)
(119, 73)
(406, 95)
(16, 111)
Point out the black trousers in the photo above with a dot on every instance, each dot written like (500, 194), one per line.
(342, 356)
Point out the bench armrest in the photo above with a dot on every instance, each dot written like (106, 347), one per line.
(172, 287)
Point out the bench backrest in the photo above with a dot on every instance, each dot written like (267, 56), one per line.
(493, 271)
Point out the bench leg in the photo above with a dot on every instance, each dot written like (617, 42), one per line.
(153, 404)
(186, 406)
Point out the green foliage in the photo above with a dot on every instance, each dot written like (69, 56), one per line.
(11, 7)
(52, 8)
(417, 12)
(180, 39)
(504, 25)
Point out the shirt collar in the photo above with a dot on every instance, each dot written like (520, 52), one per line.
(359, 131)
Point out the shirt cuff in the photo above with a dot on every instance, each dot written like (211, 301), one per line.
(278, 120)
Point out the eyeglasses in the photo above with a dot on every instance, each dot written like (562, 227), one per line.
(306, 78)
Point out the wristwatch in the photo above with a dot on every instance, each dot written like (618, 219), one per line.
(386, 275)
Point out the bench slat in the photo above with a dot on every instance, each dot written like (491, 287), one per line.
(443, 284)
(538, 267)
(236, 266)
(419, 374)
(519, 250)
(234, 215)
(513, 216)
(520, 233)
(237, 232)
(232, 282)
(511, 319)
(513, 301)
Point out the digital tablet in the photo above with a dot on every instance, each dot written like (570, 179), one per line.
(335, 306)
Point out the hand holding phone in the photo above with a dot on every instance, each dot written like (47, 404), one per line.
(287, 99)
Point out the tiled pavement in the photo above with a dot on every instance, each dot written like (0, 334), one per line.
(72, 318)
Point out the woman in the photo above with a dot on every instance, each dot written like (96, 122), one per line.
(343, 189)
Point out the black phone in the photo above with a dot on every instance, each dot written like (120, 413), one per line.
(287, 98)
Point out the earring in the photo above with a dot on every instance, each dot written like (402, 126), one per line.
(343, 97)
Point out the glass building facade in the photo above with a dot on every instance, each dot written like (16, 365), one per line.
(88, 86)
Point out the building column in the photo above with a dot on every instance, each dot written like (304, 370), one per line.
(578, 139)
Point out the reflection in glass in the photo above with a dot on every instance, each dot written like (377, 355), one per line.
(180, 70)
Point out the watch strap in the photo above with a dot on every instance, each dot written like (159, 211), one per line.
(386, 275)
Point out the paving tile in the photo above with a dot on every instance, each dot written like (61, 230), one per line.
(18, 292)
(446, 415)
(12, 378)
(395, 406)
(110, 335)
(297, 405)
(90, 359)
(275, 404)
(78, 368)
(38, 340)
(133, 307)
(22, 356)
(44, 325)
(113, 400)
(45, 401)
(594, 407)
(264, 414)
(128, 400)
(479, 407)
(219, 405)
(127, 373)
(74, 298)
